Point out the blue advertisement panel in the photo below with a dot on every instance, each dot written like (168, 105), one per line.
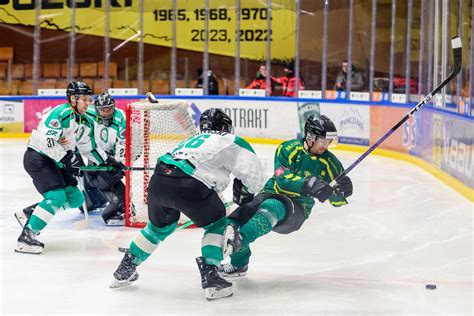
(444, 140)
(457, 152)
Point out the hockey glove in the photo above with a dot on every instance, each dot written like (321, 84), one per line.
(114, 163)
(240, 194)
(344, 186)
(317, 188)
(71, 164)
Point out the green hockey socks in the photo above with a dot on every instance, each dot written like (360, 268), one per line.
(212, 241)
(146, 241)
(70, 197)
(270, 213)
(45, 210)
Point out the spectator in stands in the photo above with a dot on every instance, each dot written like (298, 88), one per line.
(289, 81)
(357, 80)
(260, 80)
(213, 86)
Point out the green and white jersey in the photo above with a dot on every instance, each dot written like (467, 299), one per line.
(62, 129)
(211, 156)
(110, 139)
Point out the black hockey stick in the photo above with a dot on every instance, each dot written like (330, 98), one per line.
(457, 54)
(108, 168)
(150, 97)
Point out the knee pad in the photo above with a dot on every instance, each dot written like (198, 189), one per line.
(273, 210)
(75, 198)
(55, 199)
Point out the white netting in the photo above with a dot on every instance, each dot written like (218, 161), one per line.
(155, 128)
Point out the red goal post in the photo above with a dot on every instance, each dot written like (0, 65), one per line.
(152, 130)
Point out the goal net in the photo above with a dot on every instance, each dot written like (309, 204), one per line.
(153, 129)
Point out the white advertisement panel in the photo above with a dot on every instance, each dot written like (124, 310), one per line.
(352, 121)
(254, 118)
(11, 117)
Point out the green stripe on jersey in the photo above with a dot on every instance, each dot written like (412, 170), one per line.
(243, 143)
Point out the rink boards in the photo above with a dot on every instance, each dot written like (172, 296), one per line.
(442, 139)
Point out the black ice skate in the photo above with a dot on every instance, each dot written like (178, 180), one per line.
(24, 215)
(229, 271)
(27, 242)
(126, 272)
(232, 240)
(214, 286)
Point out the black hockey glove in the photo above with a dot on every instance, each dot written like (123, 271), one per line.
(71, 164)
(317, 188)
(240, 194)
(344, 186)
(112, 162)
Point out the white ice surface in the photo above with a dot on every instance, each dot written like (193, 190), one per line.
(402, 229)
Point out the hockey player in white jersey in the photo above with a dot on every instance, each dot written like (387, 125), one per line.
(106, 186)
(188, 180)
(51, 163)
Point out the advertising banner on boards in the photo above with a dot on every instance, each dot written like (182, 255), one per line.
(11, 117)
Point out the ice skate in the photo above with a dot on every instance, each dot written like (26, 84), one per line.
(232, 240)
(228, 271)
(214, 286)
(126, 272)
(27, 242)
(23, 216)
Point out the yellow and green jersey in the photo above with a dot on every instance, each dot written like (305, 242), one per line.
(293, 164)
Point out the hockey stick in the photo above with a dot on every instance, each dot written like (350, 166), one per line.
(108, 168)
(150, 97)
(184, 225)
(457, 54)
(84, 223)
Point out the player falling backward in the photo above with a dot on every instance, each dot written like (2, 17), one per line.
(188, 180)
(302, 171)
(105, 189)
(52, 164)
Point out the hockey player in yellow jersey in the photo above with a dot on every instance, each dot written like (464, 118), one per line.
(303, 170)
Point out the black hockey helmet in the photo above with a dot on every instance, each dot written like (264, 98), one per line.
(319, 126)
(216, 120)
(104, 101)
(77, 88)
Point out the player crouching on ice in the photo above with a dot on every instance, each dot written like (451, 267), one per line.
(303, 169)
(51, 163)
(106, 187)
(188, 180)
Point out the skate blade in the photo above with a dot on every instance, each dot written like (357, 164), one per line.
(24, 248)
(233, 276)
(119, 284)
(213, 293)
(21, 218)
(115, 222)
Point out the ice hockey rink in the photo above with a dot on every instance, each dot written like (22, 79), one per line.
(403, 229)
